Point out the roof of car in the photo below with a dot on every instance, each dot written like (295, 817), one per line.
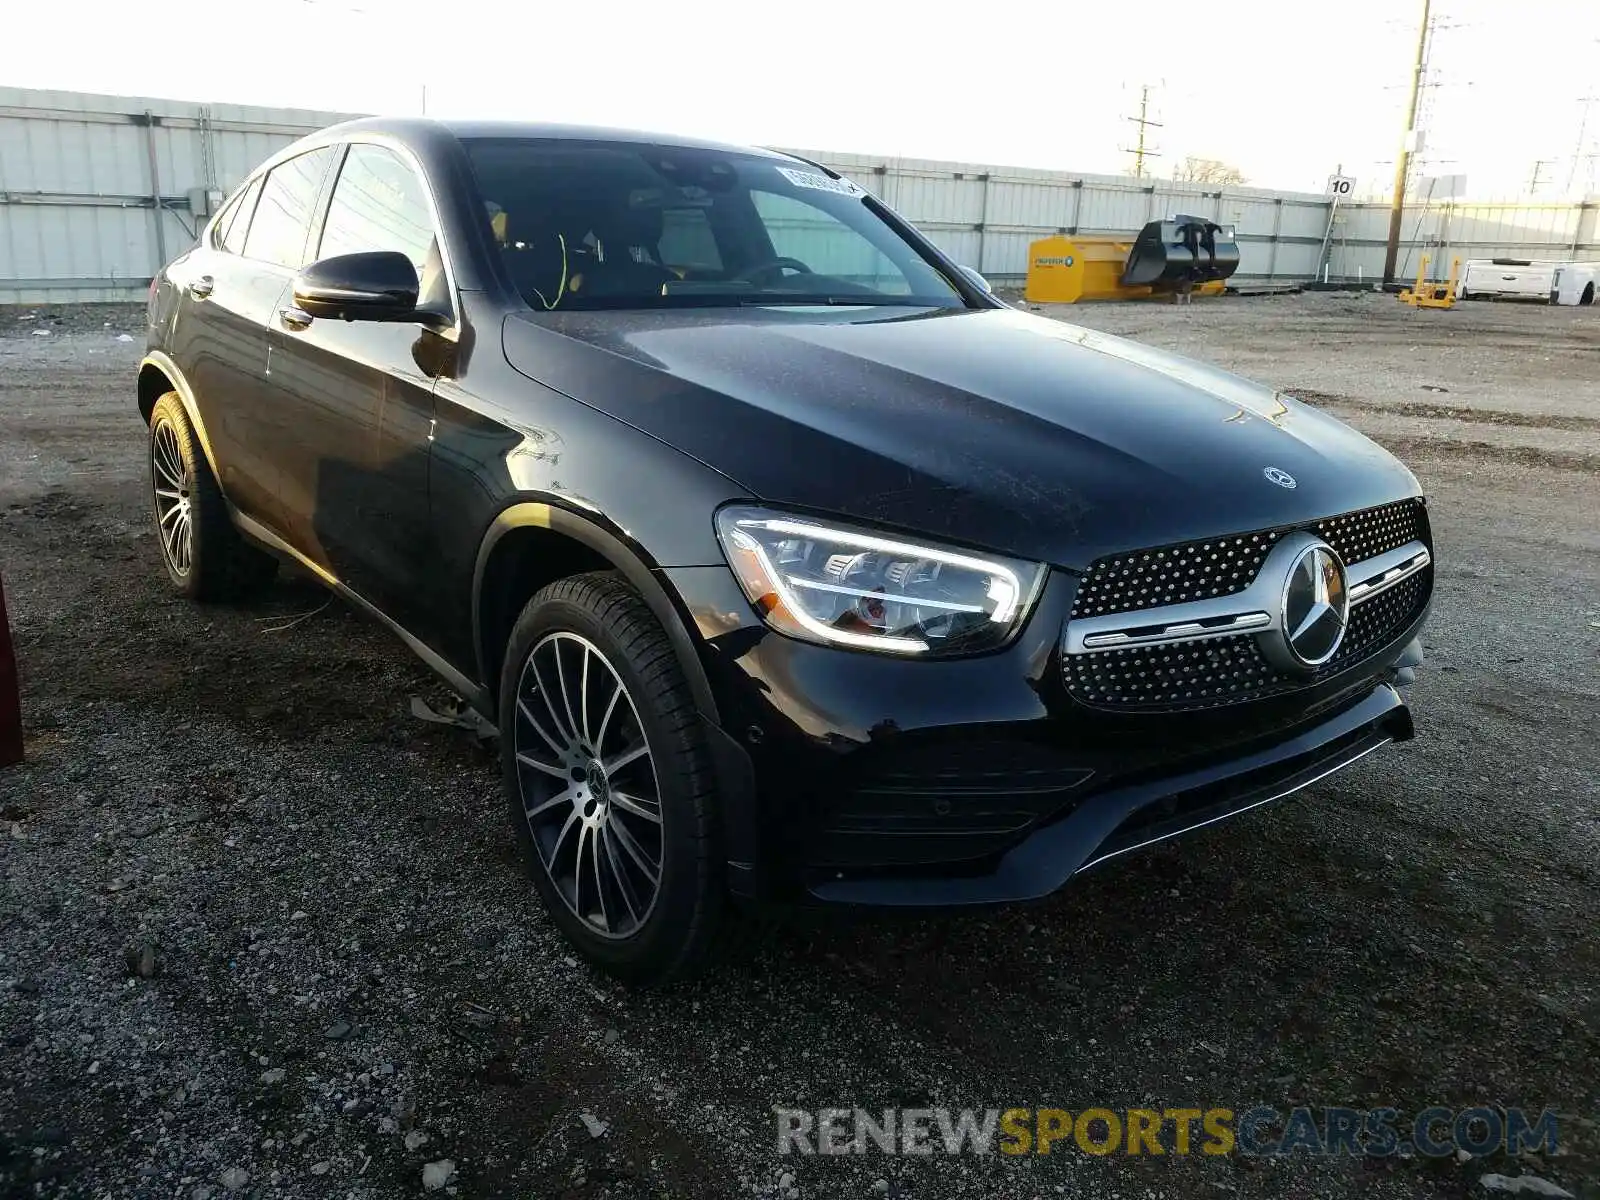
(414, 127)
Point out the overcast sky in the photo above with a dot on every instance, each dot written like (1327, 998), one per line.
(1284, 89)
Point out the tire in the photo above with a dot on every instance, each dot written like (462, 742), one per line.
(205, 556)
(589, 679)
(1588, 294)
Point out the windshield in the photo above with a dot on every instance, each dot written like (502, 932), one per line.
(610, 225)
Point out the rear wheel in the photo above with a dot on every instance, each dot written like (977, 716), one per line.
(609, 780)
(1588, 294)
(205, 557)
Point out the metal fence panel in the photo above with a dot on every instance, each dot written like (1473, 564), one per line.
(95, 190)
(1460, 229)
(83, 216)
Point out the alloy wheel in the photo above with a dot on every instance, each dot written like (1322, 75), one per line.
(588, 784)
(174, 497)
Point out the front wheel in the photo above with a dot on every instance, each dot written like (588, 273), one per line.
(609, 780)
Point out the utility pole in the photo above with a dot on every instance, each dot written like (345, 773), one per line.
(1402, 166)
(1577, 151)
(1143, 121)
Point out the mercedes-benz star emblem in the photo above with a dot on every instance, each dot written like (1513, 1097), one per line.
(1279, 476)
(1316, 605)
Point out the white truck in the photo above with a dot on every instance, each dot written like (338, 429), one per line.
(1529, 279)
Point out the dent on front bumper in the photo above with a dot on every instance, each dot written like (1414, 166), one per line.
(865, 780)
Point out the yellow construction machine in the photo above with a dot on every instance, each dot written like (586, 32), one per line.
(1176, 257)
(1426, 294)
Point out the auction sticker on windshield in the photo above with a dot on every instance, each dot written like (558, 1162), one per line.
(821, 183)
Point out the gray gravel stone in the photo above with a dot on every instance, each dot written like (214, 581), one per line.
(436, 1174)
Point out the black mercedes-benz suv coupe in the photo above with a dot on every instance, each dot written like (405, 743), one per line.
(792, 565)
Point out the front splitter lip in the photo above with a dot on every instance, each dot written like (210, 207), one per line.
(1049, 858)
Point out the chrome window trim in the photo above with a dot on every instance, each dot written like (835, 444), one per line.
(1257, 609)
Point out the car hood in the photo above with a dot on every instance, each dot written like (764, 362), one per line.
(992, 427)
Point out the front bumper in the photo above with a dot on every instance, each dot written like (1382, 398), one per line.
(857, 779)
(1128, 818)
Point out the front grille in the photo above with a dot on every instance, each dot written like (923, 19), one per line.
(1374, 623)
(1192, 675)
(1222, 566)
(1172, 574)
(1359, 536)
(1185, 675)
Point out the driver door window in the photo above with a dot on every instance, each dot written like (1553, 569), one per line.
(826, 244)
(378, 204)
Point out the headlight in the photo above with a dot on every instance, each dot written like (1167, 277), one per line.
(848, 587)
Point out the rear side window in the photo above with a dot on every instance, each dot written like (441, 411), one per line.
(378, 204)
(236, 223)
(283, 213)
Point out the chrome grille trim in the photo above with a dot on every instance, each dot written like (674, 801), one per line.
(1380, 574)
(1186, 631)
(1254, 610)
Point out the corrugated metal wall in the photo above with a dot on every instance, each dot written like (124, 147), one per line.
(96, 192)
(986, 216)
(1468, 229)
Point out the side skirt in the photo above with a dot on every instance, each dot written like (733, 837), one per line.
(472, 693)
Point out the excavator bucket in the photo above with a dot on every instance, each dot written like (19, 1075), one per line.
(1181, 253)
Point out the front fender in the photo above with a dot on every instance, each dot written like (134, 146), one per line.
(595, 532)
(731, 764)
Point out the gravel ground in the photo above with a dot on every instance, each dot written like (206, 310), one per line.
(263, 934)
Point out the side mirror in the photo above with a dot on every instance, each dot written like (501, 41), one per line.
(972, 274)
(375, 285)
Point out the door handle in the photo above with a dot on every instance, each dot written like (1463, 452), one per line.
(202, 287)
(294, 318)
